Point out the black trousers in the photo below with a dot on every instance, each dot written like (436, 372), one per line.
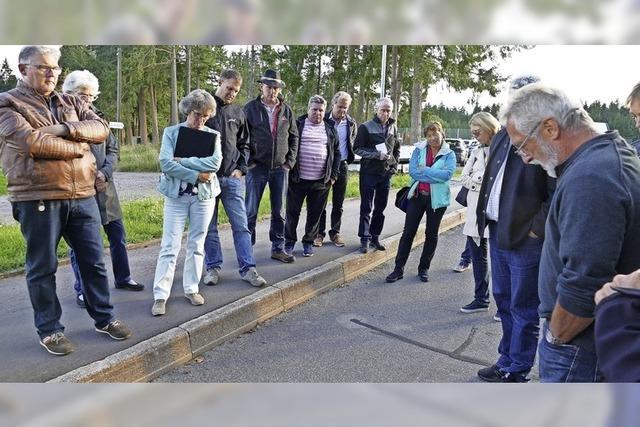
(337, 200)
(316, 193)
(374, 193)
(417, 207)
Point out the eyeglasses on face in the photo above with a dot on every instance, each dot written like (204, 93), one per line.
(45, 68)
(519, 149)
(87, 97)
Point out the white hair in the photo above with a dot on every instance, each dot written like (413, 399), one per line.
(317, 99)
(28, 52)
(341, 95)
(197, 100)
(536, 102)
(385, 100)
(81, 79)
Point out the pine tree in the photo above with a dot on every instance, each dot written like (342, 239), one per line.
(7, 79)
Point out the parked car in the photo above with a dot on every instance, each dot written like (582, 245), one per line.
(458, 146)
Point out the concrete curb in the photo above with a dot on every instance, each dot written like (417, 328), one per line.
(151, 358)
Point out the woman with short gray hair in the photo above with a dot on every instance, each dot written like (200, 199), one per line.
(189, 186)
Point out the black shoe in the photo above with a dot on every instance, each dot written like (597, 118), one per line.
(131, 285)
(364, 246)
(492, 374)
(424, 275)
(80, 301)
(395, 275)
(515, 377)
(375, 243)
(475, 306)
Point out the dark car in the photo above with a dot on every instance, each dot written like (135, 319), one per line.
(458, 146)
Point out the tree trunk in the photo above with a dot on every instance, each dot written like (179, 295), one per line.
(142, 116)
(173, 120)
(362, 101)
(416, 104)
(154, 116)
(349, 66)
(128, 133)
(188, 68)
(395, 83)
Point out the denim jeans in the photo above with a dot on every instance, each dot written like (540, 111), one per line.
(338, 191)
(315, 193)
(514, 277)
(176, 213)
(257, 179)
(374, 192)
(480, 268)
(118, 250)
(78, 221)
(465, 256)
(574, 362)
(232, 198)
(416, 209)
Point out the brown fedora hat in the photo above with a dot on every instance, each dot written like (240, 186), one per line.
(271, 78)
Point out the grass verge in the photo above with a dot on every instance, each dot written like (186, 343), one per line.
(139, 158)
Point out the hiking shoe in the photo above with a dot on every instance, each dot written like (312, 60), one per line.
(131, 285)
(211, 277)
(116, 330)
(462, 266)
(515, 377)
(497, 318)
(395, 275)
(317, 242)
(195, 298)
(424, 275)
(158, 308)
(57, 344)
(375, 243)
(492, 374)
(475, 306)
(337, 240)
(307, 249)
(283, 257)
(254, 278)
(80, 301)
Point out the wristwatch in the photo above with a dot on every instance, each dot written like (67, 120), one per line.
(553, 340)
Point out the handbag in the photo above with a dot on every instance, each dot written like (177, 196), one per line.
(401, 199)
(462, 196)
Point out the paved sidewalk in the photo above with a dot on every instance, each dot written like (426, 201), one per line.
(23, 360)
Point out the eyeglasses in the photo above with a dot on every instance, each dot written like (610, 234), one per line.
(519, 149)
(87, 97)
(45, 68)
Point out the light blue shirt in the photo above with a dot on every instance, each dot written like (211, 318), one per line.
(342, 128)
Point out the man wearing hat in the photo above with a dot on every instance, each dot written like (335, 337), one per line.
(272, 154)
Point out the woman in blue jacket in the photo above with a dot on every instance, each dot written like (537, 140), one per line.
(431, 167)
(189, 186)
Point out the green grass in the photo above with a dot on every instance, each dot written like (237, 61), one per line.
(139, 158)
(3, 184)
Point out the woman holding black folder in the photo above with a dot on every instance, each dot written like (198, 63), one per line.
(190, 186)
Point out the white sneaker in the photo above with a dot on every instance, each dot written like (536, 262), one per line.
(252, 277)
(496, 317)
(195, 298)
(211, 277)
(158, 308)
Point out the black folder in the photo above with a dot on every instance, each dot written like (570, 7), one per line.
(194, 143)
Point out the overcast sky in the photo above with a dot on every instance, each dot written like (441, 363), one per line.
(588, 73)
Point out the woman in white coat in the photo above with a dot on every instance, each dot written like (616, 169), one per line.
(483, 128)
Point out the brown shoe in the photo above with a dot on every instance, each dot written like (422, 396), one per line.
(337, 240)
(317, 242)
(283, 257)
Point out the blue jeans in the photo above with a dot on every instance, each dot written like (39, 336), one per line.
(78, 221)
(257, 179)
(465, 256)
(374, 192)
(232, 197)
(480, 268)
(574, 362)
(118, 250)
(515, 288)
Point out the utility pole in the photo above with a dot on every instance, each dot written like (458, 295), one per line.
(383, 70)
(118, 82)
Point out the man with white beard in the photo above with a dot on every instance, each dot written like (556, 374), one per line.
(596, 210)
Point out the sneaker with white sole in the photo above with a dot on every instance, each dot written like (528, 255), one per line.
(158, 308)
(475, 306)
(195, 298)
(116, 330)
(253, 278)
(497, 318)
(57, 344)
(462, 266)
(211, 277)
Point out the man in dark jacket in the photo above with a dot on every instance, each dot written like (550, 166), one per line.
(378, 145)
(272, 154)
(513, 202)
(346, 129)
(85, 85)
(593, 228)
(231, 122)
(315, 171)
(51, 174)
(633, 103)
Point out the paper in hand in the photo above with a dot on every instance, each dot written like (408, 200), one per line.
(382, 147)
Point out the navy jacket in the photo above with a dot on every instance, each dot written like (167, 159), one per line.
(524, 200)
(636, 145)
(352, 131)
(371, 134)
(332, 167)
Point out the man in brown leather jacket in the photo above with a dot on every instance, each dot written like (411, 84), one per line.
(45, 155)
